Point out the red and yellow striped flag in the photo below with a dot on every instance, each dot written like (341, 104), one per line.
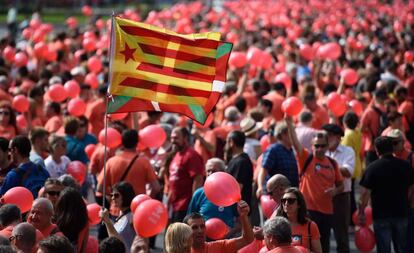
(154, 69)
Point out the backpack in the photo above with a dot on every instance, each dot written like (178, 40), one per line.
(309, 160)
(33, 179)
(383, 121)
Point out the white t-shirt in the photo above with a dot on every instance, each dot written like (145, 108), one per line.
(56, 170)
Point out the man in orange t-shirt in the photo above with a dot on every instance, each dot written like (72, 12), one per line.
(278, 236)
(140, 172)
(197, 223)
(40, 216)
(320, 181)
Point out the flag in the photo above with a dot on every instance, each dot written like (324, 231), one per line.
(154, 69)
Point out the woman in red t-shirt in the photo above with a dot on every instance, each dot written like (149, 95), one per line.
(304, 231)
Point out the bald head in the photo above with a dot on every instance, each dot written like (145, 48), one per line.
(276, 186)
(25, 236)
(43, 203)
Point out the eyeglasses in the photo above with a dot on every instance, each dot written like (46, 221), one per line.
(4, 113)
(53, 193)
(290, 201)
(14, 237)
(319, 145)
(115, 195)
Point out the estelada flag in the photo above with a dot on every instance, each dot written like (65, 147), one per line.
(154, 69)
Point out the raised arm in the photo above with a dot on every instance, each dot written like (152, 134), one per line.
(292, 135)
(247, 231)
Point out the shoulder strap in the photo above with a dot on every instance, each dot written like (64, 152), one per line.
(310, 236)
(305, 166)
(128, 168)
(333, 162)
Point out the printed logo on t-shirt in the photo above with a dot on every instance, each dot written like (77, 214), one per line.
(220, 209)
(296, 239)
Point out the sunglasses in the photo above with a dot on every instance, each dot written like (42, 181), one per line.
(14, 237)
(4, 113)
(290, 201)
(53, 193)
(115, 195)
(319, 145)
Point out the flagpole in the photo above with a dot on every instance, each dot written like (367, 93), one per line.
(111, 48)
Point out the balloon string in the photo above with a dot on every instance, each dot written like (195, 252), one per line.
(105, 152)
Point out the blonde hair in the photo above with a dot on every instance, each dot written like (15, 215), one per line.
(178, 238)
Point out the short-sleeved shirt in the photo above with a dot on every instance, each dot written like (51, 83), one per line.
(95, 112)
(301, 235)
(389, 179)
(280, 160)
(200, 204)
(345, 157)
(140, 173)
(185, 165)
(320, 175)
(353, 139)
(241, 168)
(56, 170)
(221, 246)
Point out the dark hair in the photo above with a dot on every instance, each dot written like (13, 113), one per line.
(37, 133)
(12, 117)
(127, 192)
(83, 120)
(266, 103)
(22, 144)
(302, 210)
(241, 104)
(4, 241)
(9, 213)
(238, 138)
(184, 131)
(401, 90)
(111, 245)
(392, 116)
(56, 244)
(37, 91)
(305, 117)
(192, 216)
(55, 107)
(4, 144)
(351, 120)
(71, 125)
(383, 145)
(130, 138)
(6, 249)
(71, 214)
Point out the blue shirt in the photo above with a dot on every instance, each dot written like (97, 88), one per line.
(88, 139)
(279, 160)
(75, 150)
(200, 204)
(14, 179)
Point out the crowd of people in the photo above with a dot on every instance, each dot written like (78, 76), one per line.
(348, 64)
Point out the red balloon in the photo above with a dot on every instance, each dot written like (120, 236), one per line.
(94, 64)
(356, 106)
(350, 76)
(21, 121)
(254, 56)
(333, 51)
(19, 196)
(285, 79)
(100, 23)
(216, 229)
(237, 59)
(20, 59)
(118, 116)
(76, 107)
(71, 22)
(77, 170)
(150, 218)
(368, 217)
(336, 104)
(365, 239)
(93, 213)
(57, 93)
(38, 36)
(306, 52)
(89, 149)
(89, 44)
(92, 80)
(113, 137)
(20, 103)
(264, 142)
(137, 200)
(266, 60)
(152, 136)
(40, 50)
(35, 23)
(9, 53)
(292, 106)
(222, 189)
(51, 54)
(72, 88)
(268, 205)
(408, 57)
(92, 246)
(87, 10)
(27, 33)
